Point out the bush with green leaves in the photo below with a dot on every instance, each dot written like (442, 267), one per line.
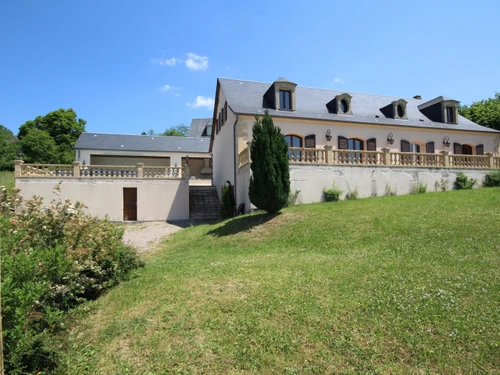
(332, 195)
(270, 181)
(492, 179)
(352, 195)
(464, 182)
(228, 202)
(53, 258)
(418, 188)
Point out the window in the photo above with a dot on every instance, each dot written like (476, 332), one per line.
(429, 148)
(479, 150)
(225, 111)
(371, 144)
(351, 144)
(310, 141)
(285, 99)
(450, 115)
(466, 150)
(294, 141)
(462, 149)
(401, 111)
(344, 106)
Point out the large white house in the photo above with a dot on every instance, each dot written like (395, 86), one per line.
(394, 142)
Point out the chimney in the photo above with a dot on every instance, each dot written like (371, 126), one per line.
(418, 97)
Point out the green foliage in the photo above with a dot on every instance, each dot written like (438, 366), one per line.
(7, 180)
(228, 202)
(293, 198)
(53, 258)
(8, 148)
(492, 179)
(464, 182)
(441, 185)
(418, 188)
(332, 195)
(51, 138)
(270, 181)
(174, 131)
(485, 112)
(389, 192)
(352, 195)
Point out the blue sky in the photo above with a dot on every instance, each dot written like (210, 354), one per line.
(129, 66)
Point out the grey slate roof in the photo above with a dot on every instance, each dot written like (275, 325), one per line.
(123, 142)
(198, 126)
(245, 97)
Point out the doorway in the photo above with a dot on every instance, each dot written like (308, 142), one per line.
(129, 204)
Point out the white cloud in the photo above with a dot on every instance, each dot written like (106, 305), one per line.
(195, 62)
(166, 62)
(202, 101)
(170, 90)
(338, 80)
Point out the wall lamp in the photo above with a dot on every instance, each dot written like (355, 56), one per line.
(446, 141)
(19, 154)
(187, 159)
(328, 135)
(390, 138)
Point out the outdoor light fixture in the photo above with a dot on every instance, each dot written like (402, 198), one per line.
(19, 153)
(328, 135)
(187, 159)
(390, 139)
(446, 141)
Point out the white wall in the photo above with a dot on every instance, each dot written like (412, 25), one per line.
(310, 180)
(243, 177)
(223, 148)
(157, 200)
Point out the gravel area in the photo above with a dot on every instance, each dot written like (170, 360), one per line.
(145, 236)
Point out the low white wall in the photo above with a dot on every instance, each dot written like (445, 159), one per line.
(157, 200)
(310, 180)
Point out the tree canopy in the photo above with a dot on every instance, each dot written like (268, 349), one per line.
(58, 131)
(8, 148)
(174, 131)
(270, 181)
(485, 112)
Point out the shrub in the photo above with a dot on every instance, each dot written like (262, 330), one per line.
(352, 195)
(228, 202)
(492, 179)
(418, 188)
(464, 182)
(270, 181)
(53, 258)
(332, 195)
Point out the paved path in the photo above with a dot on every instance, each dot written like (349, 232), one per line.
(145, 236)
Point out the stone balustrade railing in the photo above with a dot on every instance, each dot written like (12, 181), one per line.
(77, 170)
(327, 155)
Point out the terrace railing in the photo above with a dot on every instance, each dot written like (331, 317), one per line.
(77, 170)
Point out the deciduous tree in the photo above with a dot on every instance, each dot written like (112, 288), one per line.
(8, 148)
(485, 112)
(270, 181)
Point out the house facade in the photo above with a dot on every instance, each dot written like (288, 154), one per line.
(362, 142)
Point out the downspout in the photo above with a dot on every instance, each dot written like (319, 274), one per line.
(235, 150)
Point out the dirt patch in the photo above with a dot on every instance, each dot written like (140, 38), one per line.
(145, 236)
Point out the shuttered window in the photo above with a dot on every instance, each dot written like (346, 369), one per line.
(216, 126)
(429, 148)
(342, 143)
(405, 146)
(457, 148)
(466, 150)
(371, 144)
(225, 112)
(479, 150)
(310, 141)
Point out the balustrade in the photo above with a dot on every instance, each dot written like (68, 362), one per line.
(469, 161)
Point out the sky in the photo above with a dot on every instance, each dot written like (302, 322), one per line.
(130, 66)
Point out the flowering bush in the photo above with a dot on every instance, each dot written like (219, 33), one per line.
(53, 258)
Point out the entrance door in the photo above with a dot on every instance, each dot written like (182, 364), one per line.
(129, 204)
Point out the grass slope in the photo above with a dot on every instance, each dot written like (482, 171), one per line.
(407, 284)
(7, 179)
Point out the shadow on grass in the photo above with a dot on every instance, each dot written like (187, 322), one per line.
(242, 224)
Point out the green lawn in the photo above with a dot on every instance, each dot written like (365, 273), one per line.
(7, 179)
(392, 285)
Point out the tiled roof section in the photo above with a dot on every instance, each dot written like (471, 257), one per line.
(123, 142)
(198, 126)
(245, 97)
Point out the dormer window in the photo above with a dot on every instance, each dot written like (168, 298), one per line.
(340, 105)
(395, 110)
(441, 109)
(285, 99)
(280, 96)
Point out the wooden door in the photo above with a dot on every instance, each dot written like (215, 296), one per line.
(129, 204)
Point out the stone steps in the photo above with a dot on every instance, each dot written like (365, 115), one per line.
(203, 203)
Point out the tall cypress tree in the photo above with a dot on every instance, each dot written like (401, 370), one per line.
(270, 181)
